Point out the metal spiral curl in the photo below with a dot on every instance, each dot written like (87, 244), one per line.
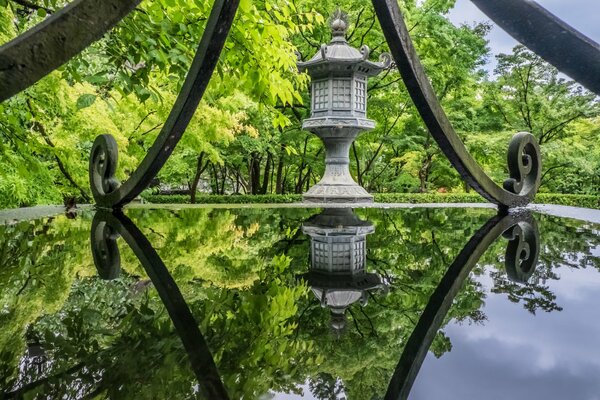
(103, 166)
(524, 164)
(105, 250)
(522, 251)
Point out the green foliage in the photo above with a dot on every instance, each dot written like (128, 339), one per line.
(246, 136)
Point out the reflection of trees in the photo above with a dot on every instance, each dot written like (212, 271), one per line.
(237, 271)
(38, 264)
(325, 386)
(565, 243)
(134, 353)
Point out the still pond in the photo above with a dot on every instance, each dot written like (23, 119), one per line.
(300, 303)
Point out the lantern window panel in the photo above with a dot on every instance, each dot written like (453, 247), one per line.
(320, 95)
(342, 93)
(360, 97)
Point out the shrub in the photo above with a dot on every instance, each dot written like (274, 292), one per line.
(575, 200)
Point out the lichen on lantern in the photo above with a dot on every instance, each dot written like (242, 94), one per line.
(339, 74)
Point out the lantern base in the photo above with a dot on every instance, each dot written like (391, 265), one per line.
(327, 193)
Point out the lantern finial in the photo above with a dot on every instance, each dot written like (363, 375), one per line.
(339, 24)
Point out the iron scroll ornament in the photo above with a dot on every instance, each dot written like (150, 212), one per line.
(107, 191)
(107, 227)
(521, 257)
(524, 161)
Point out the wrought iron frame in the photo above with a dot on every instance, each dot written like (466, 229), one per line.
(34, 54)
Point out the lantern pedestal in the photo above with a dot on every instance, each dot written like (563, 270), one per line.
(337, 185)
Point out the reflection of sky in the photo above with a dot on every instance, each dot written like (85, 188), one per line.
(516, 355)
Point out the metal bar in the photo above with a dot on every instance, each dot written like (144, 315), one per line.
(39, 51)
(524, 160)
(570, 51)
(106, 190)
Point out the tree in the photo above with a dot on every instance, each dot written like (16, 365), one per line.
(530, 95)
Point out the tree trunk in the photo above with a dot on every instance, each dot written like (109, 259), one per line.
(214, 181)
(424, 173)
(254, 170)
(223, 178)
(279, 176)
(358, 172)
(265, 183)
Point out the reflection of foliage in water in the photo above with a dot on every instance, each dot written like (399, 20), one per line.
(39, 262)
(238, 271)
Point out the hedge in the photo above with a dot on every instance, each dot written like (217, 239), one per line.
(223, 199)
(575, 200)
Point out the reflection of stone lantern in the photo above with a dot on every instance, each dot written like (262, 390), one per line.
(337, 274)
(34, 364)
(339, 110)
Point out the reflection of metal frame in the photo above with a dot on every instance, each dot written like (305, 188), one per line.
(521, 258)
(106, 228)
(34, 54)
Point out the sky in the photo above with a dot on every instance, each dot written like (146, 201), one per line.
(583, 15)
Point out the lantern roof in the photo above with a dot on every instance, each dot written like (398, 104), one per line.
(339, 55)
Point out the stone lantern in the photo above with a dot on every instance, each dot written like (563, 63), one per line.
(338, 255)
(339, 76)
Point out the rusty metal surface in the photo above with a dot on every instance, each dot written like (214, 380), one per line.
(39, 51)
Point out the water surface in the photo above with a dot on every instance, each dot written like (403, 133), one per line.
(299, 303)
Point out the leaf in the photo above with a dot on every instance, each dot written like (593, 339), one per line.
(245, 5)
(85, 100)
(41, 12)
